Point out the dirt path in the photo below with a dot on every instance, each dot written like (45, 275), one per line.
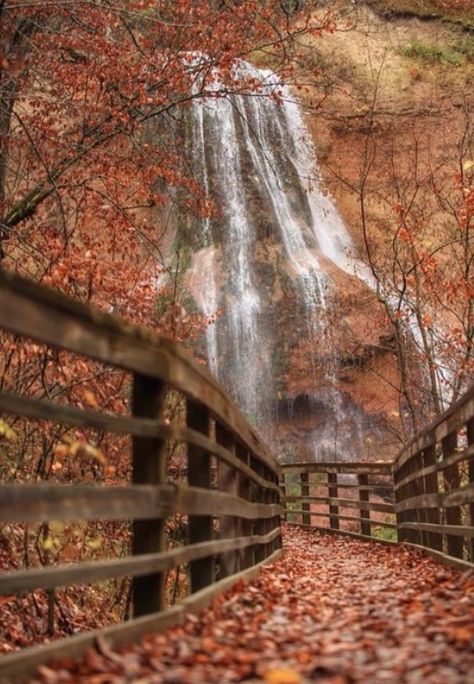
(331, 610)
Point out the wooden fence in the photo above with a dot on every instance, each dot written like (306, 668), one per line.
(345, 496)
(426, 495)
(434, 486)
(232, 479)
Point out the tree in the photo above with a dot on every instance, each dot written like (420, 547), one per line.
(90, 168)
(422, 266)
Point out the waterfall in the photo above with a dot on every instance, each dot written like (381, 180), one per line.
(274, 237)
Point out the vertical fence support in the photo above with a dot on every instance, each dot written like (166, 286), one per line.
(246, 555)
(148, 467)
(305, 506)
(397, 477)
(227, 481)
(199, 475)
(470, 442)
(364, 497)
(452, 480)
(430, 486)
(333, 509)
(259, 524)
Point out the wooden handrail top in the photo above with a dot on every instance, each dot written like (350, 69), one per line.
(346, 467)
(440, 427)
(51, 317)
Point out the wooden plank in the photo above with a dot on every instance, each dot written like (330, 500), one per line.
(415, 488)
(452, 481)
(352, 518)
(346, 503)
(443, 558)
(306, 507)
(259, 523)
(456, 530)
(141, 427)
(374, 489)
(430, 486)
(332, 492)
(199, 475)
(464, 455)
(42, 502)
(16, 667)
(470, 441)
(363, 499)
(450, 421)
(25, 662)
(87, 573)
(148, 468)
(246, 526)
(434, 500)
(349, 468)
(48, 316)
(458, 497)
(227, 481)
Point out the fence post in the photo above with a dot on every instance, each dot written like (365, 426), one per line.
(199, 475)
(306, 507)
(245, 526)
(227, 481)
(430, 486)
(333, 509)
(470, 443)
(148, 467)
(452, 480)
(364, 515)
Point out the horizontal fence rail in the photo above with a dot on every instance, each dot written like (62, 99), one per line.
(434, 486)
(230, 499)
(424, 498)
(355, 498)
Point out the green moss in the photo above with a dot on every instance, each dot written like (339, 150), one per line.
(455, 55)
(386, 533)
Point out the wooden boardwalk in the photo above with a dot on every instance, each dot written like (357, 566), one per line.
(332, 610)
(234, 495)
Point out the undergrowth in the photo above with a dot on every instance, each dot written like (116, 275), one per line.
(453, 55)
(456, 11)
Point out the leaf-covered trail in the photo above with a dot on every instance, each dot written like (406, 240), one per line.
(332, 609)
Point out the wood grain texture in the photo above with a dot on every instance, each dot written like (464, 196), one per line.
(48, 316)
(43, 502)
(82, 573)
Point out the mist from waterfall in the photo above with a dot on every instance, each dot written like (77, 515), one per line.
(252, 154)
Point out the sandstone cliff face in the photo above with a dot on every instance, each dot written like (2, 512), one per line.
(394, 101)
(332, 391)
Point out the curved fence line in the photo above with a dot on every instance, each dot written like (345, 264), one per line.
(231, 496)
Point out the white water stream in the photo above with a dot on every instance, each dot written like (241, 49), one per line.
(253, 157)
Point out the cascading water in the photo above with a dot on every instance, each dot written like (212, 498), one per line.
(251, 155)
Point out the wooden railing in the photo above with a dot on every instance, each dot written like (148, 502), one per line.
(232, 494)
(354, 498)
(434, 485)
(424, 498)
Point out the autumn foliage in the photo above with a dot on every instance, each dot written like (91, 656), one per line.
(92, 169)
(322, 613)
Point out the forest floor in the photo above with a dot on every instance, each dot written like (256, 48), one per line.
(332, 610)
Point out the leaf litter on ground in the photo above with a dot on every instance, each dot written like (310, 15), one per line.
(332, 609)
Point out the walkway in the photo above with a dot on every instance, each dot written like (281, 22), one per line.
(332, 610)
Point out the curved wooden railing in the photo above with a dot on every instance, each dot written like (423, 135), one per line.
(434, 486)
(424, 498)
(232, 494)
(345, 495)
